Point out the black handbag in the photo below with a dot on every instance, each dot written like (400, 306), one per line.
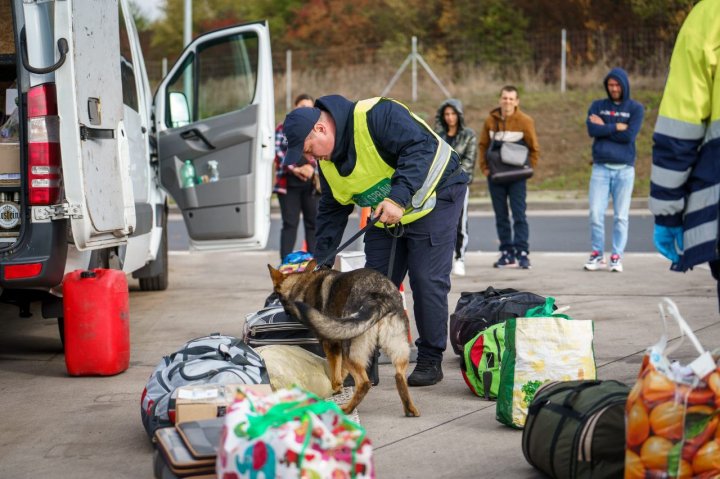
(501, 172)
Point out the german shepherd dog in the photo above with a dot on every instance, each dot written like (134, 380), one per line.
(352, 314)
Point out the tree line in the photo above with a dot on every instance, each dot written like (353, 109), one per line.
(499, 32)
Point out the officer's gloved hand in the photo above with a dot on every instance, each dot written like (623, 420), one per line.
(668, 241)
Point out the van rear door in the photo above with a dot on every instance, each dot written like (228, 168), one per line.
(215, 111)
(93, 142)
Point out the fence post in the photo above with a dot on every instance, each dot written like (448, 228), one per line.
(414, 68)
(288, 80)
(563, 60)
(164, 67)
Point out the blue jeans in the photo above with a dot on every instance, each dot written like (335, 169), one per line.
(606, 183)
(515, 193)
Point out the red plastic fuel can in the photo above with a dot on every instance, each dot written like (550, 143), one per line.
(97, 322)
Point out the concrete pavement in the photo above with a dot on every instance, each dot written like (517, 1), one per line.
(62, 427)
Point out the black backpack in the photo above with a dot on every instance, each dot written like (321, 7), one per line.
(478, 311)
(577, 429)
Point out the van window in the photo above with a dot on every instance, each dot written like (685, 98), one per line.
(220, 78)
(127, 67)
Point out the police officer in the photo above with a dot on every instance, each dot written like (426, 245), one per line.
(377, 153)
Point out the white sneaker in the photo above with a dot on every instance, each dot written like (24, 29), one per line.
(616, 263)
(595, 262)
(459, 267)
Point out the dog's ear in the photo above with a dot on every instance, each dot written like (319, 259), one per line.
(310, 267)
(276, 276)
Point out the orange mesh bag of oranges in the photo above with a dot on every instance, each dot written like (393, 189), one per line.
(672, 414)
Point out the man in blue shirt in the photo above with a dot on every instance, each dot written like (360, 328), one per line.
(613, 123)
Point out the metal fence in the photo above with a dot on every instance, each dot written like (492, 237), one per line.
(644, 51)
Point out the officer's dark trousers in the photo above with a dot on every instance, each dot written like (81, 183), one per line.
(424, 252)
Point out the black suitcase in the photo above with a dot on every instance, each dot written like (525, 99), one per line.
(272, 326)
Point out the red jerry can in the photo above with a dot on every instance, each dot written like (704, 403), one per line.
(97, 322)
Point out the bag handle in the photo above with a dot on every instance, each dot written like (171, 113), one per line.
(703, 364)
(668, 306)
(546, 310)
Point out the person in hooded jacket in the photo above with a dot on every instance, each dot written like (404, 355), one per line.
(450, 125)
(613, 123)
(376, 153)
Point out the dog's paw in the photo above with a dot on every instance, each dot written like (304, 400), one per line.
(412, 413)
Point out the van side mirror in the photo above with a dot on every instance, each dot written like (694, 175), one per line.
(179, 109)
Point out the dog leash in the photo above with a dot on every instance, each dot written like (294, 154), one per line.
(371, 222)
(400, 230)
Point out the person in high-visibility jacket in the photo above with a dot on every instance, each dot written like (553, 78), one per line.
(685, 177)
(377, 153)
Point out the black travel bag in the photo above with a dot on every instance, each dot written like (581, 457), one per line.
(576, 429)
(478, 311)
(272, 325)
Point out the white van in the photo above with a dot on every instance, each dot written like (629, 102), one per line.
(95, 155)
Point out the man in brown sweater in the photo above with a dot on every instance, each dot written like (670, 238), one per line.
(508, 124)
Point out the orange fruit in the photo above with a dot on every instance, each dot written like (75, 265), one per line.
(692, 445)
(666, 420)
(634, 468)
(635, 394)
(685, 471)
(696, 396)
(713, 382)
(657, 388)
(638, 425)
(707, 458)
(654, 452)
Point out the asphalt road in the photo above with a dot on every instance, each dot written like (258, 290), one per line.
(559, 231)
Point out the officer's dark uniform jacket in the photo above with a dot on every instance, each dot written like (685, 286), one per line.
(685, 178)
(406, 144)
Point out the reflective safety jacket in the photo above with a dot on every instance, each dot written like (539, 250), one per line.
(685, 178)
(370, 180)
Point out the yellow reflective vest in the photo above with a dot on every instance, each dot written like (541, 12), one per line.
(369, 183)
(685, 177)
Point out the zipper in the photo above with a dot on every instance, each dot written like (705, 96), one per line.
(290, 342)
(276, 327)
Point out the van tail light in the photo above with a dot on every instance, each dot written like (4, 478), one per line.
(43, 145)
(22, 271)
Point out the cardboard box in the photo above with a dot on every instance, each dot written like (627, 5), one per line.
(207, 401)
(9, 158)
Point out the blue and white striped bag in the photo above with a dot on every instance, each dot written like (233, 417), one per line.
(214, 359)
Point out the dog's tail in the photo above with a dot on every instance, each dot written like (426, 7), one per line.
(338, 329)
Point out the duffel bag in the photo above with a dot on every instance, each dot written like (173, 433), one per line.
(214, 359)
(477, 311)
(483, 355)
(576, 429)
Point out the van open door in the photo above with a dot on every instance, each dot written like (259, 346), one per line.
(215, 112)
(93, 143)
